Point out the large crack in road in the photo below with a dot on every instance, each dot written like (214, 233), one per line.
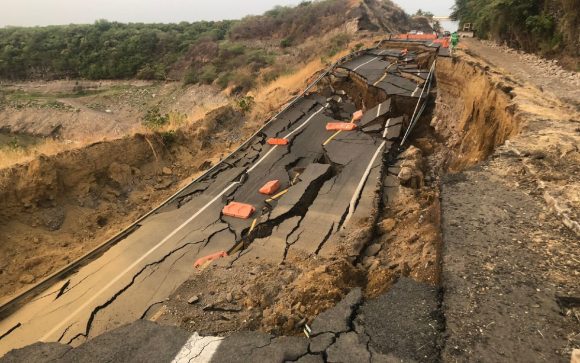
(320, 181)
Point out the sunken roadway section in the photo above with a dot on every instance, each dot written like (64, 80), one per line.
(326, 178)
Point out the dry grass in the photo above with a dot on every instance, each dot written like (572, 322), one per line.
(13, 156)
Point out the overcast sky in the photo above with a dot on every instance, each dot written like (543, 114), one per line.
(49, 12)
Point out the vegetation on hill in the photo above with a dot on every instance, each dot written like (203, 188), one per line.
(225, 53)
(111, 50)
(550, 27)
(103, 50)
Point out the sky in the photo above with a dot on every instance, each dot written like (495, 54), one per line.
(53, 12)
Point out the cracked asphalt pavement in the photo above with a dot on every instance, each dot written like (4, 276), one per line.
(401, 325)
(325, 185)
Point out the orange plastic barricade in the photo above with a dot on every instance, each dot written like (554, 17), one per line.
(415, 36)
(270, 187)
(357, 116)
(238, 210)
(210, 258)
(340, 126)
(277, 141)
(443, 41)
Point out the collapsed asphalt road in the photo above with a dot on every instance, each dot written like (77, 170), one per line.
(326, 178)
(353, 331)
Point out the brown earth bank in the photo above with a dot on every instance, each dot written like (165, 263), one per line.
(57, 208)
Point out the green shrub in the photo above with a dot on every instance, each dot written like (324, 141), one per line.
(168, 138)
(191, 77)
(286, 42)
(153, 119)
(338, 43)
(246, 103)
(152, 72)
(208, 74)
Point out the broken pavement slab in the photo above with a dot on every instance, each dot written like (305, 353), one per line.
(352, 331)
(339, 318)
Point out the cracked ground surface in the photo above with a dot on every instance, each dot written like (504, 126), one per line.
(353, 331)
(133, 278)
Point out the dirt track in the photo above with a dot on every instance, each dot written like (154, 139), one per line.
(511, 258)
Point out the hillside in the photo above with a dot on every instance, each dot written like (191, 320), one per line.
(201, 52)
(548, 27)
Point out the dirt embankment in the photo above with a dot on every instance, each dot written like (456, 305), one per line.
(474, 113)
(56, 208)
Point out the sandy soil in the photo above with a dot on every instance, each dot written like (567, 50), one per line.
(86, 111)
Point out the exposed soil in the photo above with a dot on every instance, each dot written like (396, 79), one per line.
(57, 208)
(88, 111)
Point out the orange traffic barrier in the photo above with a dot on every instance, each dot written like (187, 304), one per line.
(238, 210)
(210, 258)
(277, 141)
(270, 187)
(357, 116)
(415, 36)
(443, 41)
(340, 126)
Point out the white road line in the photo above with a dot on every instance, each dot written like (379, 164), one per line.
(415, 91)
(198, 349)
(365, 63)
(304, 123)
(173, 233)
(361, 185)
(386, 128)
(379, 110)
(287, 136)
(133, 265)
(262, 158)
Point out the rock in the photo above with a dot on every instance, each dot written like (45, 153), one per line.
(121, 174)
(163, 185)
(368, 262)
(229, 297)
(291, 323)
(388, 225)
(27, 278)
(167, 171)
(405, 174)
(575, 356)
(208, 307)
(53, 218)
(373, 249)
(194, 299)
